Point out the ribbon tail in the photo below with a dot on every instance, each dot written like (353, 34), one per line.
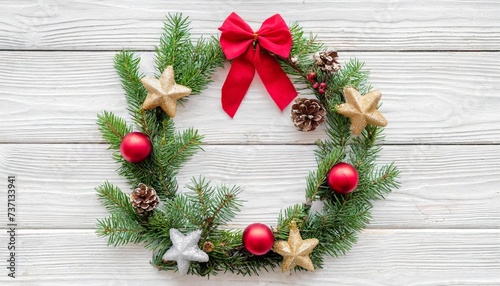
(235, 87)
(274, 79)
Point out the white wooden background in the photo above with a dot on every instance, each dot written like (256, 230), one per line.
(436, 62)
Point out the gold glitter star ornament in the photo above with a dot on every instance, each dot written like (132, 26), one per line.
(362, 110)
(164, 92)
(296, 250)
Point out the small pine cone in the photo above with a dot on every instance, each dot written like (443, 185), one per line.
(208, 246)
(307, 114)
(144, 199)
(327, 61)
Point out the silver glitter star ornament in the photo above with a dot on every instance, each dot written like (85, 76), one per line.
(185, 249)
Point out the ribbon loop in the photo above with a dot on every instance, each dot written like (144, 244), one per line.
(250, 52)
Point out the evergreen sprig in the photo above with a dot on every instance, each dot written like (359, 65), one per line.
(114, 200)
(120, 229)
(343, 216)
(127, 66)
(210, 208)
(113, 129)
(171, 148)
(193, 63)
(205, 208)
(300, 60)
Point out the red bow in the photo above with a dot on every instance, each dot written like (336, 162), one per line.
(250, 51)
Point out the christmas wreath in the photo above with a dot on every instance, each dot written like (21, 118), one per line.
(186, 230)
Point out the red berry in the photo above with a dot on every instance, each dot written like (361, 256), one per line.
(311, 76)
(315, 85)
(322, 85)
(322, 91)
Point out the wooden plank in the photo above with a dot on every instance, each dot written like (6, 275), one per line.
(409, 257)
(359, 25)
(441, 228)
(443, 186)
(428, 98)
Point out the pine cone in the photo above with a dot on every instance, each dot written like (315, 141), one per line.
(208, 246)
(144, 199)
(327, 61)
(307, 114)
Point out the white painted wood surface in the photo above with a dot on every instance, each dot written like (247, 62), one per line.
(428, 98)
(436, 62)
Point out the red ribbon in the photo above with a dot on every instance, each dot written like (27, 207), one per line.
(250, 52)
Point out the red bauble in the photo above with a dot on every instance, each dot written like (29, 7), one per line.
(343, 178)
(258, 239)
(135, 147)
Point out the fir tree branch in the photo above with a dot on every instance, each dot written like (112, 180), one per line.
(174, 41)
(316, 179)
(203, 193)
(171, 152)
(113, 128)
(351, 74)
(175, 49)
(296, 213)
(193, 64)
(386, 179)
(187, 143)
(214, 205)
(224, 207)
(115, 201)
(127, 66)
(302, 49)
(342, 215)
(120, 230)
(183, 209)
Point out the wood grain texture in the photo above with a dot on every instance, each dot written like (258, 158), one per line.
(444, 186)
(431, 98)
(436, 62)
(354, 25)
(381, 257)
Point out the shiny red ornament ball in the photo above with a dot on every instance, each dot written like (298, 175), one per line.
(343, 178)
(135, 147)
(258, 239)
